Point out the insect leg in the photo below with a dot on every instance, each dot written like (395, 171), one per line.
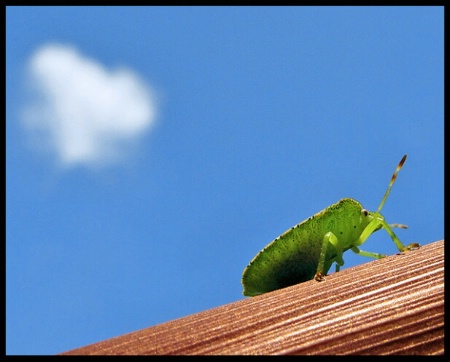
(378, 223)
(369, 254)
(329, 238)
(397, 242)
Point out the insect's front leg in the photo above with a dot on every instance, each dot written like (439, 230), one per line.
(329, 238)
(376, 224)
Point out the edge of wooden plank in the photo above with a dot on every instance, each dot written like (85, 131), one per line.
(394, 305)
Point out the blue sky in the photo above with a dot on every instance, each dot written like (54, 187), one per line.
(152, 152)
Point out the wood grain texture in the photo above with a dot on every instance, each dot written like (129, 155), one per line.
(390, 306)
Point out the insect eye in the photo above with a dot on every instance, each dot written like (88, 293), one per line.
(364, 212)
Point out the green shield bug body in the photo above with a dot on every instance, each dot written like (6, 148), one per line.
(308, 249)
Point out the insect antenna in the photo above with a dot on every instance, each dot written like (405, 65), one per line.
(401, 226)
(393, 178)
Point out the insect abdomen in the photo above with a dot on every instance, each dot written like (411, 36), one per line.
(293, 257)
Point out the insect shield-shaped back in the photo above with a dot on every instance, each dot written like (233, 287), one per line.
(293, 257)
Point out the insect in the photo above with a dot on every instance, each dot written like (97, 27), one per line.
(308, 249)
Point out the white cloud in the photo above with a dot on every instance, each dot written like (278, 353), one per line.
(82, 112)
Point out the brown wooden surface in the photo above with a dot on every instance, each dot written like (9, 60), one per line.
(390, 306)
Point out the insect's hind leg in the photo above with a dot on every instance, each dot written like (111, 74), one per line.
(329, 238)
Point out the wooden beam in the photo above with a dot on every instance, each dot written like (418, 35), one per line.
(393, 305)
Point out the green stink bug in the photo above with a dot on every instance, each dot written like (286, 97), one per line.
(308, 249)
